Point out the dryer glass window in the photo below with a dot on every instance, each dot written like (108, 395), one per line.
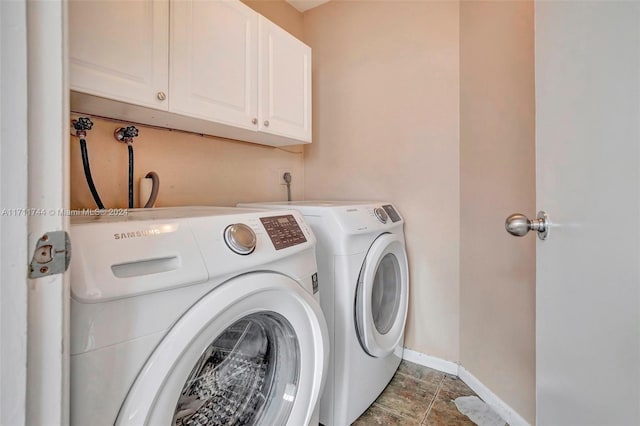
(248, 375)
(385, 294)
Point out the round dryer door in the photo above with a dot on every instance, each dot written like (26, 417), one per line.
(382, 296)
(251, 352)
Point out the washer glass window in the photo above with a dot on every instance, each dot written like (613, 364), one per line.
(248, 375)
(385, 294)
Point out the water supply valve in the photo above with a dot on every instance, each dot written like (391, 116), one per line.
(81, 125)
(126, 134)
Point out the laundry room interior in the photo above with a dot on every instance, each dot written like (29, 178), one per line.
(428, 105)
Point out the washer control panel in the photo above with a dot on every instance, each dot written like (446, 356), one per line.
(283, 231)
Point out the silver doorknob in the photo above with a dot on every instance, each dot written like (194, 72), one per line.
(519, 225)
(162, 96)
(266, 123)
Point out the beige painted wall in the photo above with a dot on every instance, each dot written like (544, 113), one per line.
(193, 169)
(385, 126)
(497, 178)
(281, 13)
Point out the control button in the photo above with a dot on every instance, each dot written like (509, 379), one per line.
(240, 238)
(283, 231)
(381, 214)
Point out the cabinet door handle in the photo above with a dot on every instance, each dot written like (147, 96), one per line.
(266, 123)
(254, 121)
(162, 96)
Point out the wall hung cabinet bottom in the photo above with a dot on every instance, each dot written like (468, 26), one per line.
(103, 107)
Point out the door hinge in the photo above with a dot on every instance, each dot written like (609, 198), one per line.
(52, 255)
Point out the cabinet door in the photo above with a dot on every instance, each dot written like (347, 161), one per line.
(214, 49)
(284, 81)
(120, 50)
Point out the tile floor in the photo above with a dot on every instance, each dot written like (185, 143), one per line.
(418, 396)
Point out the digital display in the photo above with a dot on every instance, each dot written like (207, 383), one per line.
(283, 231)
(393, 214)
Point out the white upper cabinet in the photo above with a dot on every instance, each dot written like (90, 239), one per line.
(214, 61)
(215, 67)
(120, 50)
(284, 80)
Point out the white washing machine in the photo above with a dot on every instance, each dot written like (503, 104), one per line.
(195, 316)
(364, 291)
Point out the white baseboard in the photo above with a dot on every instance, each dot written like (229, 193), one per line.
(507, 413)
(430, 361)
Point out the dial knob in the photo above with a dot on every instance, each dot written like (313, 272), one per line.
(380, 214)
(240, 238)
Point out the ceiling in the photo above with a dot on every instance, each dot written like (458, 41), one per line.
(304, 5)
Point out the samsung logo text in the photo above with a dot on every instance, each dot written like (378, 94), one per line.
(136, 234)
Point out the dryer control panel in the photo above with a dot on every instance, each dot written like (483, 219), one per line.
(283, 231)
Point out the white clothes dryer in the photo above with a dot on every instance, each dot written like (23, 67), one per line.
(364, 291)
(195, 316)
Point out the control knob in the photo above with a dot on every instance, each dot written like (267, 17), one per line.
(240, 238)
(381, 215)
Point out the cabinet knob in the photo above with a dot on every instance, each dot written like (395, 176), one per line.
(254, 121)
(266, 123)
(162, 96)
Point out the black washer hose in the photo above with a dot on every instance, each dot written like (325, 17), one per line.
(130, 176)
(87, 173)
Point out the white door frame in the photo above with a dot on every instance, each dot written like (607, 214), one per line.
(34, 177)
(48, 136)
(13, 222)
(34, 115)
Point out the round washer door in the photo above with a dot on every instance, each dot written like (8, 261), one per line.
(382, 296)
(252, 351)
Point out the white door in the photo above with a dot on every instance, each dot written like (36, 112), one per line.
(133, 65)
(284, 81)
(252, 351)
(214, 54)
(588, 181)
(382, 296)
